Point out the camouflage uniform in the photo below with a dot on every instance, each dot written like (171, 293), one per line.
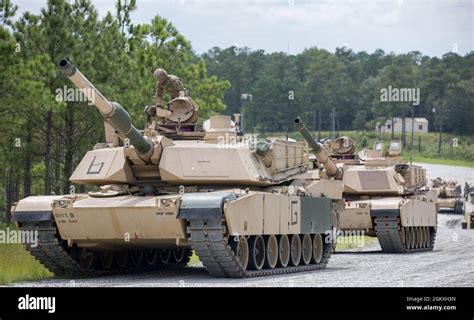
(172, 85)
(164, 83)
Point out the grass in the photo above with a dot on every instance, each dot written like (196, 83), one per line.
(17, 265)
(344, 243)
(194, 259)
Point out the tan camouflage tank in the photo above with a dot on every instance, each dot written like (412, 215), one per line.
(246, 208)
(449, 195)
(385, 197)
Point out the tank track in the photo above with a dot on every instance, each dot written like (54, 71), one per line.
(209, 240)
(392, 239)
(458, 207)
(54, 254)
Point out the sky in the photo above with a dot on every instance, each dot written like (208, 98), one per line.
(433, 27)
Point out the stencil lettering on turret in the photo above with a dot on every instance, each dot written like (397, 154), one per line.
(95, 168)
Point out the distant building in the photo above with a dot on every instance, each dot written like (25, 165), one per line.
(421, 125)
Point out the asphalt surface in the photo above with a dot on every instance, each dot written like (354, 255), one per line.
(460, 174)
(451, 263)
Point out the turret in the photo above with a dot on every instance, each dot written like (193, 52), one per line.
(112, 112)
(319, 150)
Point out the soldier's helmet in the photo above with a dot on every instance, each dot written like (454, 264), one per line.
(160, 75)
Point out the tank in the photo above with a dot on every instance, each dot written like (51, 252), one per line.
(449, 195)
(244, 207)
(384, 197)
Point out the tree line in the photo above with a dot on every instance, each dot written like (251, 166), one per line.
(315, 82)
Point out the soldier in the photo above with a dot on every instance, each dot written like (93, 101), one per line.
(467, 189)
(458, 191)
(169, 83)
(165, 83)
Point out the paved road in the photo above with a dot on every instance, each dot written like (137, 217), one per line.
(451, 263)
(460, 174)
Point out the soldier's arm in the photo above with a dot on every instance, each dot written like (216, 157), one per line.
(160, 90)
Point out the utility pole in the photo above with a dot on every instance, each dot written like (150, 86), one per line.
(244, 97)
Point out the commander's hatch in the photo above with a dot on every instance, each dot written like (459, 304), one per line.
(182, 123)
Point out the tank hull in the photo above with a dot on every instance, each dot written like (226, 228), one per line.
(394, 221)
(80, 228)
(454, 204)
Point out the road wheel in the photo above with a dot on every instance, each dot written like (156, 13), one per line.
(179, 255)
(122, 259)
(165, 255)
(295, 250)
(403, 235)
(407, 237)
(317, 249)
(416, 237)
(86, 258)
(150, 257)
(241, 251)
(256, 253)
(421, 232)
(271, 252)
(137, 258)
(283, 251)
(307, 249)
(412, 238)
(107, 260)
(427, 237)
(421, 237)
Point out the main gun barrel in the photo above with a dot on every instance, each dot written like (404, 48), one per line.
(87, 88)
(318, 149)
(112, 112)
